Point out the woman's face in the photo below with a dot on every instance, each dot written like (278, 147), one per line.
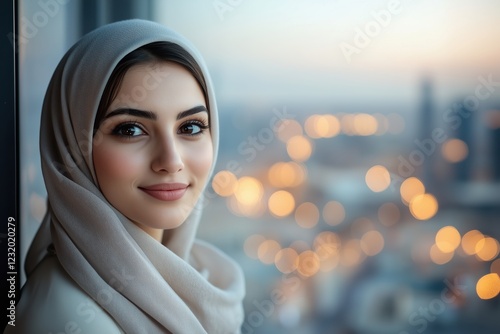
(153, 151)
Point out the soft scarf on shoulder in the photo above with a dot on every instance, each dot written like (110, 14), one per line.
(180, 286)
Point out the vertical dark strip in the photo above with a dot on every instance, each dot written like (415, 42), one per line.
(9, 219)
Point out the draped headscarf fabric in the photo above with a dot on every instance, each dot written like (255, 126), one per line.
(182, 285)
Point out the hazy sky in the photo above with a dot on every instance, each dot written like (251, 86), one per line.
(297, 47)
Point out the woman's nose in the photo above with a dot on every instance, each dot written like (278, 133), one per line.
(168, 157)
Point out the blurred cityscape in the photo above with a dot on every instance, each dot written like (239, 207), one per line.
(362, 219)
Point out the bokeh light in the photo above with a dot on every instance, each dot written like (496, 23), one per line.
(251, 245)
(487, 249)
(307, 215)
(281, 203)
(322, 126)
(365, 124)
(470, 240)
(454, 150)
(372, 243)
(309, 263)
(299, 148)
(378, 178)
(440, 257)
(488, 286)
(327, 244)
(224, 183)
(333, 213)
(286, 260)
(424, 206)
(410, 188)
(267, 251)
(351, 254)
(248, 191)
(448, 239)
(287, 128)
(389, 214)
(286, 174)
(382, 124)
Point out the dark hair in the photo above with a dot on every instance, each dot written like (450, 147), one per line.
(153, 52)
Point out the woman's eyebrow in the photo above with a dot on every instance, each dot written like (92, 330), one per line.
(151, 115)
(133, 112)
(191, 111)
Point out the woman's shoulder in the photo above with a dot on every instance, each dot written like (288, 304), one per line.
(51, 302)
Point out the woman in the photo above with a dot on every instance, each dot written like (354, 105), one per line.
(129, 136)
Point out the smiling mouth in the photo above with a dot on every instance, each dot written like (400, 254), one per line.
(166, 191)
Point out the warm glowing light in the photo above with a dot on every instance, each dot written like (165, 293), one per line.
(299, 148)
(310, 126)
(332, 127)
(454, 150)
(224, 183)
(424, 206)
(252, 244)
(372, 243)
(286, 174)
(326, 244)
(347, 124)
(322, 126)
(333, 213)
(487, 249)
(488, 286)
(410, 188)
(470, 240)
(352, 254)
(286, 260)
(448, 239)
(307, 215)
(309, 263)
(495, 266)
(267, 251)
(378, 178)
(389, 214)
(287, 128)
(281, 203)
(244, 210)
(365, 124)
(438, 257)
(248, 190)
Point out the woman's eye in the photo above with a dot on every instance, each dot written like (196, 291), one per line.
(192, 128)
(128, 130)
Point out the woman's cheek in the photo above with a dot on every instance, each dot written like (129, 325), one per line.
(114, 162)
(202, 160)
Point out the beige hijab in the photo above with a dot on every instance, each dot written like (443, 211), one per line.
(181, 286)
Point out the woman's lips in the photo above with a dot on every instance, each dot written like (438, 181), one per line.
(166, 191)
